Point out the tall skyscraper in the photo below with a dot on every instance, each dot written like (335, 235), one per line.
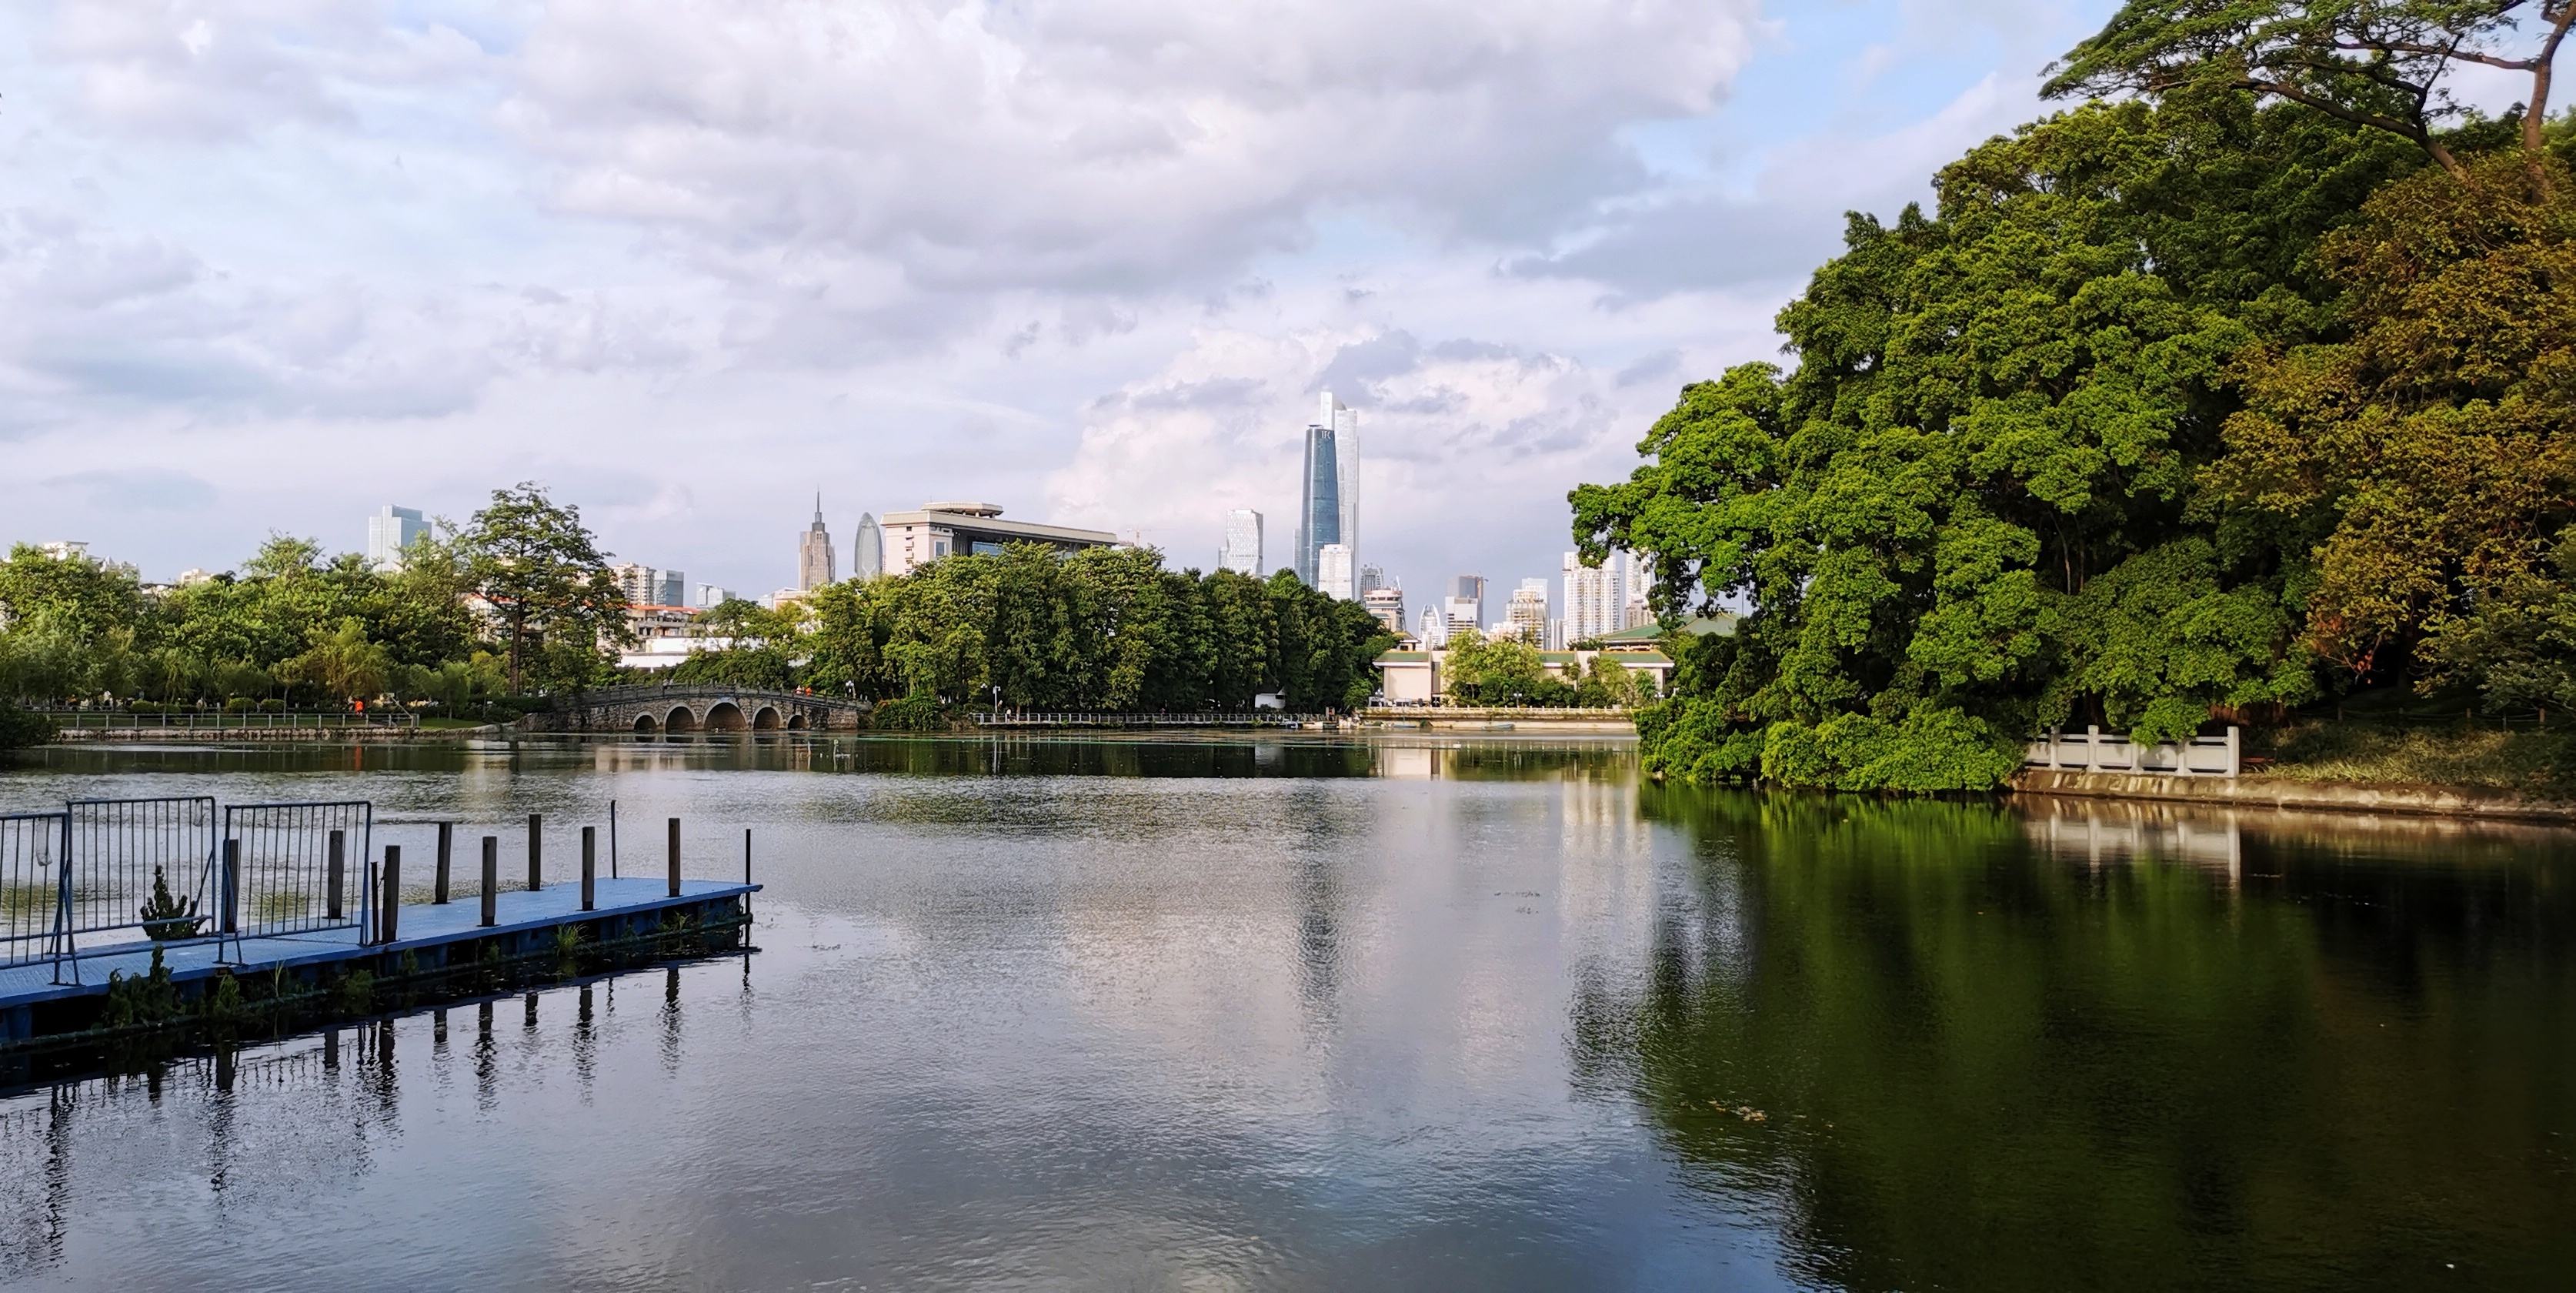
(389, 531)
(1346, 469)
(645, 586)
(1595, 596)
(1373, 578)
(1242, 551)
(814, 552)
(1462, 614)
(1319, 512)
(1333, 571)
(867, 549)
(1434, 630)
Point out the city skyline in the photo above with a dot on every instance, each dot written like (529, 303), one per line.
(1505, 315)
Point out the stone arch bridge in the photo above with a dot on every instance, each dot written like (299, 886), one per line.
(699, 708)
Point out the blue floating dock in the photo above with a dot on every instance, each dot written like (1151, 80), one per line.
(524, 922)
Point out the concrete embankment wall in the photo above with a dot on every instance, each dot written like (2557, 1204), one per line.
(308, 735)
(2282, 792)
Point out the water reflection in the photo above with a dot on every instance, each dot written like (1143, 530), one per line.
(2254, 1053)
(1274, 1013)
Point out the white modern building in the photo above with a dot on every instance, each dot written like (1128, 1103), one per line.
(646, 586)
(1434, 629)
(1242, 551)
(711, 596)
(1333, 571)
(917, 538)
(1526, 613)
(1387, 604)
(1461, 615)
(1595, 596)
(867, 549)
(389, 531)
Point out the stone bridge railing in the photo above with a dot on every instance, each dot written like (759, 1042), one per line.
(698, 707)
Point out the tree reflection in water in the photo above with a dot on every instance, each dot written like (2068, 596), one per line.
(2089, 1047)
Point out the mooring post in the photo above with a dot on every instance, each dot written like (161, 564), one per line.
(536, 852)
(232, 886)
(446, 841)
(589, 868)
(675, 857)
(746, 855)
(491, 878)
(339, 878)
(612, 839)
(392, 905)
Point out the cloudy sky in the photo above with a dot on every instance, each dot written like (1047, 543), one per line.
(269, 264)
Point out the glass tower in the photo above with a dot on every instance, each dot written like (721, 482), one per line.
(1319, 516)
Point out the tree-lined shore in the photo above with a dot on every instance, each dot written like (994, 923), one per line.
(2243, 391)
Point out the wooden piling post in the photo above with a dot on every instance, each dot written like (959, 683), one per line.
(491, 879)
(337, 884)
(232, 887)
(675, 857)
(536, 852)
(589, 868)
(391, 907)
(446, 842)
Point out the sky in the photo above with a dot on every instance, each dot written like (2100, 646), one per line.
(267, 265)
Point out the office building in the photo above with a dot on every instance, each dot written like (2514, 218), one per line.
(867, 549)
(389, 531)
(814, 552)
(1373, 578)
(1346, 469)
(1242, 551)
(711, 596)
(1333, 571)
(1464, 615)
(917, 538)
(1319, 507)
(1387, 604)
(1470, 589)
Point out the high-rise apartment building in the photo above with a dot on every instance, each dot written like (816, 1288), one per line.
(814, 552)
(1527, 612)
(1387, 604)
(1333, 571)
(1242, 551)
(867, 549)
(1346, 468)
(646, 586)
(1595, 597)
(1319, 508)
(391, 530)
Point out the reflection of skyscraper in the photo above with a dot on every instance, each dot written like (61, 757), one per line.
(1242, 551)
(814, 553)
(867, 548)
(1319, 513)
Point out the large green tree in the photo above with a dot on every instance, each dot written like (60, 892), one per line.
(542, 573)
(1968, 511)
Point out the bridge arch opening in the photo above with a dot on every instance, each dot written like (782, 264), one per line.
(645, 723)
(680, 720)
(724, 716)
(796, 722)
(765, 719)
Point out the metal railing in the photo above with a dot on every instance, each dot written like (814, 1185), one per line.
(173, 870)
(219, 720)
(2094, 750)
(32, 848)
(1251, 718)
(138, 864)
(292, 868)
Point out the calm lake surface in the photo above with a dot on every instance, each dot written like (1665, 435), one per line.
(1279, 1015)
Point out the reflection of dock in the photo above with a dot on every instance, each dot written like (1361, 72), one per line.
(2097, 832)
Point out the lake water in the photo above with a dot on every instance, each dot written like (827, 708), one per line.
(1279, 1015)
